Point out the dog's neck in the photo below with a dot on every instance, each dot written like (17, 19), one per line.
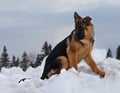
(86, 42)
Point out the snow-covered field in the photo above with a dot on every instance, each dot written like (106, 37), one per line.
(71, 81)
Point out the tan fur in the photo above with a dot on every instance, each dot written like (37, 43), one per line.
(82, 52)
(64, 62)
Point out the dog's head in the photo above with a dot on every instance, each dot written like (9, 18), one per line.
(84, 30)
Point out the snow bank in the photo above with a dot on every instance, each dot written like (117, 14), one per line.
(71, 81)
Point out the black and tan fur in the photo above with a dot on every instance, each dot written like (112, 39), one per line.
(74, 48)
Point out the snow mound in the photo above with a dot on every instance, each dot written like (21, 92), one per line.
(71, 81)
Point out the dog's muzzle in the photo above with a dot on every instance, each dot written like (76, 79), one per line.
(79, 33)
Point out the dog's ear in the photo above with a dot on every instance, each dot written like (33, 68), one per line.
(87, 20)
(76, 16)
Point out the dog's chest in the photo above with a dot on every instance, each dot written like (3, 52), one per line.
(81, 55)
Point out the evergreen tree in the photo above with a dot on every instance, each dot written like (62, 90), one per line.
(25, 62)
(0, 64)
(118, 53)
(40, 58)
(46, 49)
(109, 53)
(50, 48)
(15, 61)
(4, 59)
(18, 61)
(38, 61)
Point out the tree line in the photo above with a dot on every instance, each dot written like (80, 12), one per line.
(34, 61)
(117, 54)
(26, 59)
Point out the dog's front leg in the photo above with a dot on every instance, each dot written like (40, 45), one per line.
(89, 60)
(72, 57)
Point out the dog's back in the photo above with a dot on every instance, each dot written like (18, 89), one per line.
(51, 61)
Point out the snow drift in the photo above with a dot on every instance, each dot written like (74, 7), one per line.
(71, 81)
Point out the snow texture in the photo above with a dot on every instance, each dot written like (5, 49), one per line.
(71, 81)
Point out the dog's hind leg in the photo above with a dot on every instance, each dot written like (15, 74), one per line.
(61, 62)
(64, 62)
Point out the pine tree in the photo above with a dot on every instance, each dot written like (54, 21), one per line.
(46, 49)
(50, 48)
(37, 62)
(0, 64)
(25, 62)
(118, 53)
(4, 59)
(15, 61)
(109, 53)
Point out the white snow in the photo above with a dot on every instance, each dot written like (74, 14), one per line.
(71, 81)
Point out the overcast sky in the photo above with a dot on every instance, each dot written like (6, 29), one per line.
(26, 24)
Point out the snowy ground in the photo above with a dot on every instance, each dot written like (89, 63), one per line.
(71, 81)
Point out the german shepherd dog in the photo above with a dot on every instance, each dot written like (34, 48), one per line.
(69, 52)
